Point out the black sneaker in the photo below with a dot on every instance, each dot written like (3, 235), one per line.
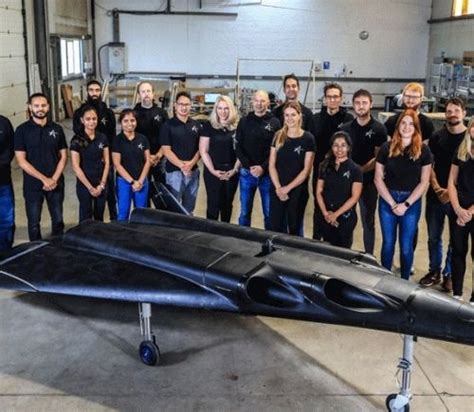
(431, 278)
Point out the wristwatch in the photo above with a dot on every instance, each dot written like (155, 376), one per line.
(407, 203)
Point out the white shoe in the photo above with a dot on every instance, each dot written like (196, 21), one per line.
(458, 297)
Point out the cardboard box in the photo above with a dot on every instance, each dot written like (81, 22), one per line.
(468, 58)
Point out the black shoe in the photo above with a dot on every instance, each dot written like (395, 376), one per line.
(447, 284)
(431, 278)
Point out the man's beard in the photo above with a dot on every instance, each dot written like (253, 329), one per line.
(454, 122)
(37, 116)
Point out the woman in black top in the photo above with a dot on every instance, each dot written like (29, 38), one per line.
(402, 175)
(217, 149)
(461, 195)
(338, 190)
(90, 162)
(131, 157)
(291, 158)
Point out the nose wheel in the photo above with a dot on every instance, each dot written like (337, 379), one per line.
(148, 350)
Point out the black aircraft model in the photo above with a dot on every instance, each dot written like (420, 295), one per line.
(165, 258)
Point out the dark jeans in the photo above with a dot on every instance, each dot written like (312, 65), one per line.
(286, 217)
(34, 205)
(459, 244)
(407, 226)
(436, 214)
(220, 195)
(7, 216)
(342, 235)
(368, 204)
(111, 199)
(248, 186)
(90, 206)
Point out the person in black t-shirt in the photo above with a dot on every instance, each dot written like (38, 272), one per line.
(443, 145)
(90, 160)
(41, 151)
(7, 198)
(402, 174)
(105, 124)
(150, 118)
(217, 149)
(131, 156)
(461, 195)
(291, 158)
(325, 123)
(367, 135)
(338, 190)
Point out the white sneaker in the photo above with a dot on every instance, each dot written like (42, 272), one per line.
(458, 297)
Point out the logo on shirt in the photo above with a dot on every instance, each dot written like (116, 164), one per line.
(157, 118)
(53, 133)
(140, 146)
(298, 150)
(101, 146)
(370, 133)
(103, 121)
(347, 174)
(340, 125)
(268, 127)
(195, 129)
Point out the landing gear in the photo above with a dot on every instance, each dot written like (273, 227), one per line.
(148, 350)
(400, 402)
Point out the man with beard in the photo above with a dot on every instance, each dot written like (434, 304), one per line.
(291, 87)
(443, 144)
(254, 138)
(106, 125)
(150, 118)
(41, 151)
(331, 117)
(367, 136)
(412, 98)
(7, 199)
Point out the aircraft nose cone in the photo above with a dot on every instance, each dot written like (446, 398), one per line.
(466, 312)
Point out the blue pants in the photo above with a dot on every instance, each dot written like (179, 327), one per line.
(248, 186)
(407, 226)
(7, 216)
(184, 188)
(125, 195)
(436, 214)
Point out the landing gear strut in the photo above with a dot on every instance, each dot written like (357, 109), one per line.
(400, 402)
(148, 350)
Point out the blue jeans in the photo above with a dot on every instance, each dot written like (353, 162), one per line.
(435, 214)
(34, 205)
(184, 188)
(125, 195)
(407, 226)
(248, 186)
(7, 216)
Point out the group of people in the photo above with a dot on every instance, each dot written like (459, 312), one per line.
(354, 160)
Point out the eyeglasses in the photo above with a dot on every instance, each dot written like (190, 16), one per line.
(333, 97)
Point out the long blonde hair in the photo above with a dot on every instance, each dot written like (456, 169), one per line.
(233, 115)
(282, 135)
(396, 147)
(465, 147)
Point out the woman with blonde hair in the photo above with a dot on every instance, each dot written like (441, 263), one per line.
(402, 176)
(291, 159)
(221, 166)
(461, 195)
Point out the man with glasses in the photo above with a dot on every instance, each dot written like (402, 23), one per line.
(331, 117)
(179, 139)
(412, 98)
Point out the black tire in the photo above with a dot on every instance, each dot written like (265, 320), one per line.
(149, 353)
(389, 401)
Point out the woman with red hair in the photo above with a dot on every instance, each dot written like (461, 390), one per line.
(402, 175)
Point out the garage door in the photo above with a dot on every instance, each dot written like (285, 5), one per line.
(13, 76)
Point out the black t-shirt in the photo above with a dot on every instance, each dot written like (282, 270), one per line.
(307, 116)
(465, 183)
(221, 146)
(338, 183)
(426, 125)
(290, 157)
(149, 122)
(91, 153)
(365, 139)
(401, 172)
(42, 145)
(443, 146)
(324, 127)
(254, 139)
(183, 138)
(6, 150)
(132, 153)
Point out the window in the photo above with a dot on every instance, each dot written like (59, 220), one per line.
(71, 58)
(462, 7)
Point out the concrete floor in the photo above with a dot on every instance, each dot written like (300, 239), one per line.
(69, 354)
